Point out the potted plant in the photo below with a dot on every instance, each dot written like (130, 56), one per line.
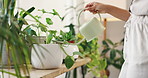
(112, 53)
(50, 47)
(14, 42)
(68, 40)
(90, 49)
(45, 55)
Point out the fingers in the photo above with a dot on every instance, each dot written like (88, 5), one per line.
(89, 5)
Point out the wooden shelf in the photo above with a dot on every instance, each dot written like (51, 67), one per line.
(52, 73)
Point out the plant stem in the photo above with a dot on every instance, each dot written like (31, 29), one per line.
(63, 50)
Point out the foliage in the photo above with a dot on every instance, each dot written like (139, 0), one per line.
(112, 54)
(43, 27)
(67, 38)
(62, 39)
(16, 40)
(90, 49)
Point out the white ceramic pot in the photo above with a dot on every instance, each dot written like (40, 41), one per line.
(50, 56)
(70, 49)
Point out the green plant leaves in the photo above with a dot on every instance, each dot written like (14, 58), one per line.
(112, 49)
(105, 51)
(112, 54)
(43, 27)
(102, 65)
(49, 21)
(105, 43)
(43, 11)
(65, 36)
(109, 41)
(78, 53)
(30, 31)
(69, 61)
(71, 28)
(50, 36)
(29, 11)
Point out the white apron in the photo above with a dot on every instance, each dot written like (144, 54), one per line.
(136, 42)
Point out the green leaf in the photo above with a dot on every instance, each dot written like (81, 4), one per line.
(30, 31)
(50, 36)
(49, 21)
(16, 15)
(105, 43)
(13, 74)
(112, 54)
(43, 27)
(103, 64)
(43, 11)
(105, 51)
(119, 52)
(28, 11)
(71, 28)
(38, 17)
(55, 12)
(78, 53)
(69, 61)
(117, 66)
(109, 41)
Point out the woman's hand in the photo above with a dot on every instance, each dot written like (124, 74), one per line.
(96, 7)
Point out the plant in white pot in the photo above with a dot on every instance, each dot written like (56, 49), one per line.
(68, 40)
(69, 46)
(50, 54)
(45, 55)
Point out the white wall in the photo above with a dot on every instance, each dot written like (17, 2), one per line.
(115, 32)
(48, 5)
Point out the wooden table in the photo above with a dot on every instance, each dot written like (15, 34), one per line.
(52, 73)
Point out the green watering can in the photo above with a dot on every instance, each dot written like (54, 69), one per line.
(91, 29)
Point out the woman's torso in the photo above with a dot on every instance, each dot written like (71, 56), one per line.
(139, 7)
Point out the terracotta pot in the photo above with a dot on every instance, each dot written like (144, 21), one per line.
(105, 72)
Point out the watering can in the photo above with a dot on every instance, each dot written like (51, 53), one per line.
(91, 29)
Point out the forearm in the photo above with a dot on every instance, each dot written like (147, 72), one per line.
(118, 12)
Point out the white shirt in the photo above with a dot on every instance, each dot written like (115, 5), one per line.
(139, 7)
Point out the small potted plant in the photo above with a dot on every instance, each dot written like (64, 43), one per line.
(69, 46)
(45, 55)
(91, 49)
(51, 54)
(112, 54)
(68, 40)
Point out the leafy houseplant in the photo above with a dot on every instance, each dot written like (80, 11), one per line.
(112, 54)
(69, 47)
(52, 37)
(47, 52)
(14, 42)
(90, 49)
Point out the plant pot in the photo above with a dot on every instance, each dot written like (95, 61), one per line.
(70, 49)
(40, 39)
(105, 72)
(6, 59)
(46, 56)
